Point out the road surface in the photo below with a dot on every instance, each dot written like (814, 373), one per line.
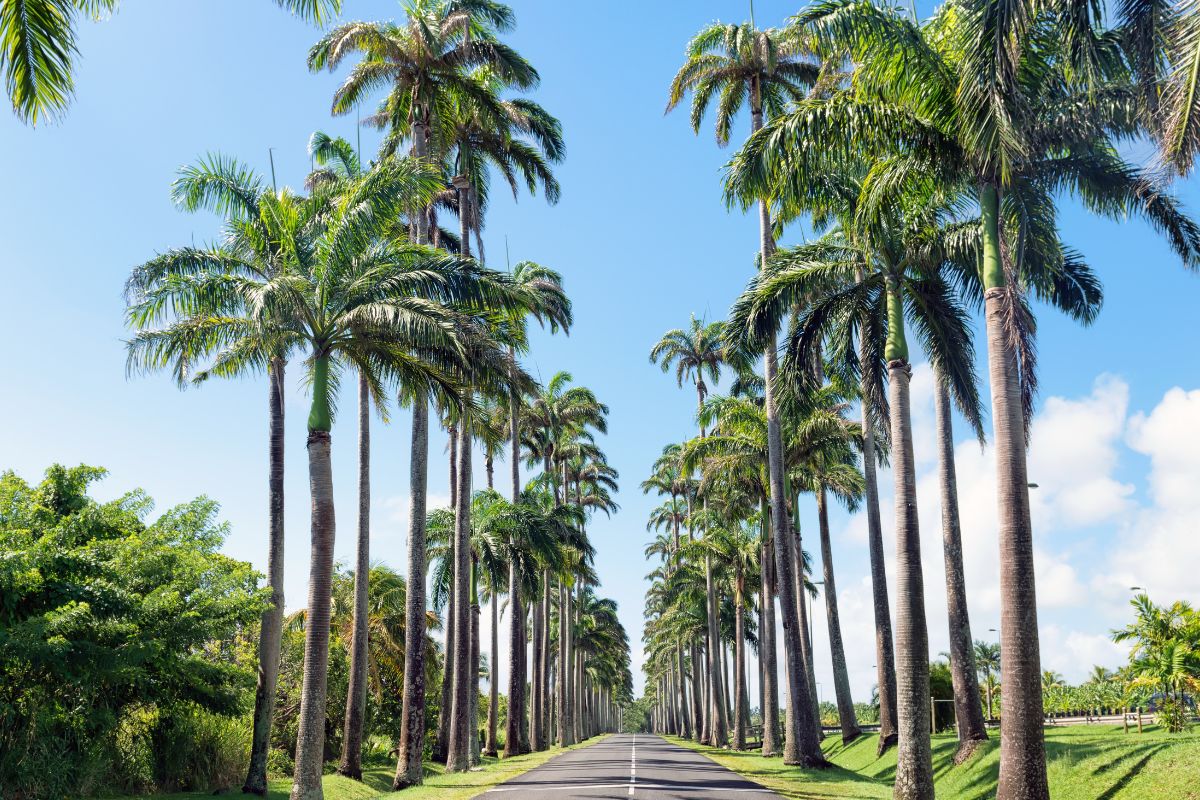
(631, 765)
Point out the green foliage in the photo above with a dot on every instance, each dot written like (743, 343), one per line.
(121, 640)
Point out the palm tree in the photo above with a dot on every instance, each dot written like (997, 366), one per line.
(694, 353)
(38, 50)
(254, 249)
(964, 119)
(557, 415)
(354, 296)
(768, 68)
(668, 478)
(425, 64)
(737, 548)
(549, 305)
(878, 274)
(340, 163)
(987, 661)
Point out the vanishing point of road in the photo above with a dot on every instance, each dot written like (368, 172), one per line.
(630, 765)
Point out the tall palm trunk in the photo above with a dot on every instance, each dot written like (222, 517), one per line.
(310, 740)
(409, 771)
(442, 742)
(806, 644)
(739, 683)
(885, 669)
(458, 749)
(686, 726)
(914, 762)
(473, 692)
(967, 710)
(1022, 747)
(719, 733)
(493, 719)
(356, 693)
(841, 677)
(697, 694)
(766, 654)
(800, 745)
(514, 728)
(537, 731)
(566, 723)
(547, 698)
(270, 632)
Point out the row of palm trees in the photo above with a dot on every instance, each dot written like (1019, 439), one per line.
(928, 158)
(357, 277)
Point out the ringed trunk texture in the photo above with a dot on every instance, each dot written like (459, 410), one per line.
(473, 694)
(801, 745)
(566, 724)
(516, 667)
(514, 727)
(1022, 748)
(719, 730)
(806, 645)
(683, 694)
(493, 719)
(770, 667)
(739, 704)
(841, 676)
(697, 694)
(537, 735)
(409, 771)
(356, 693)
(310, 741)
(442, 742)
(967, 710)
(458, 751)
(885, 670)
(271, 628)
(545, 688)
(914, 760)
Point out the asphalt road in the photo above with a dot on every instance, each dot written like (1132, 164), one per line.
(631, 765)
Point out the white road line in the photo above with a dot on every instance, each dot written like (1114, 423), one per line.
(633, 766)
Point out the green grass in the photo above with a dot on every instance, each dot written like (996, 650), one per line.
(1084, 763)
(377, 780)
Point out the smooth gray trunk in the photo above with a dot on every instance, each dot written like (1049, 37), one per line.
(493, 720)
(458, 750)
(885, 669)
(1022, 747)
(566, 724)
(409, 771)
(356, 693)
(914, 760)
(770, 667)
(801, 745)
(270, 632)
(310, 740)
(967, 709)
(841, 676)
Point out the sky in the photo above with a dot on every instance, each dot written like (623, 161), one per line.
(643, 240)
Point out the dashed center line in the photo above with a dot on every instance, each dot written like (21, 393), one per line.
(633, 766)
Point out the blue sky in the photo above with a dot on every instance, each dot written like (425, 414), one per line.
(643, 239)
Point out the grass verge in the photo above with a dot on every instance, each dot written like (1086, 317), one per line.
(377, 780)
(1083, 762)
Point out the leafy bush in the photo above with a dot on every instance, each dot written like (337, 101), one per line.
(1174, 715)
(107, 620)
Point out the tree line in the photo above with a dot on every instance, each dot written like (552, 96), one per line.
(929, 159)
(356, 280)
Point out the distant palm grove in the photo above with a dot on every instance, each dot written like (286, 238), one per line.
(928, 160)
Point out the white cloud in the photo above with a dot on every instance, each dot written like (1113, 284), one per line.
(1093, 539)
